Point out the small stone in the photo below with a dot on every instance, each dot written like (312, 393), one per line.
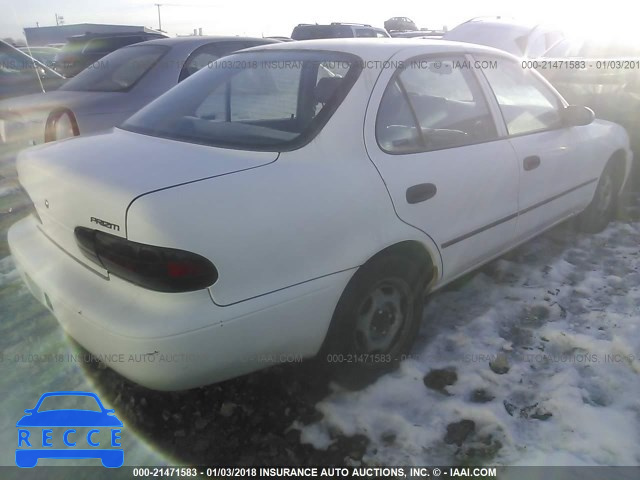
(180, 433)
(227, 409)
(509, 407)
(458, 432)
(481, 396)
(388, 437)
(542, 416)
(525, 412)
(439, 379)
(500, 365)
(166, 415)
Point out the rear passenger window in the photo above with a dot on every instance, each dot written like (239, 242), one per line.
(431, 105)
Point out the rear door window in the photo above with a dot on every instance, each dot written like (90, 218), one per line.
(433, 104)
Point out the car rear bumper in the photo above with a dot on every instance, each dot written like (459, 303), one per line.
(115, 322)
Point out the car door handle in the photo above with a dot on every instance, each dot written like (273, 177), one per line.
(531, 162)
(421, 192)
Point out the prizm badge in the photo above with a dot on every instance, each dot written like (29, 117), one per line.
(102, 223)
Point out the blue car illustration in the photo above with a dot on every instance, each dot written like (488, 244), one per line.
(68, 418)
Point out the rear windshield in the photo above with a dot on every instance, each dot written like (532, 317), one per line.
(268, 100)
(118, 71)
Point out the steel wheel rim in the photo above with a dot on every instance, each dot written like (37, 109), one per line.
(381, 316)
(605, 195)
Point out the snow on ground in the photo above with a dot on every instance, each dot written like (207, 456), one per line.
(534, 361)
(7, 190)
(8, 272)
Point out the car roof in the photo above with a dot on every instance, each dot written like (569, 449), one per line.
(382, 48)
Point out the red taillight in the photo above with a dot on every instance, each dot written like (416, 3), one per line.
(156, 268)
(61, 124)
(182, 269)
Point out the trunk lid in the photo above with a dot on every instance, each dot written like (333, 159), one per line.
(91, 181)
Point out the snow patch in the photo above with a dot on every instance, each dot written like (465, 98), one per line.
(563, 310)
(8, 272)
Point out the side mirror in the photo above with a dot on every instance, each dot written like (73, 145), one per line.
(577, 116)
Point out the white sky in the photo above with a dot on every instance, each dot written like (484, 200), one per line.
(278, 17)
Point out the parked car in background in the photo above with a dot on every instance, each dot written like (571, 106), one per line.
(423, 33)
(308, 31)
(81, 51)
(399, 24)
(281, 39)
(519, 39)
(255, 214)
(604, 74)
(21, 74)
(603, 61)
(44, 55)
(98, 99)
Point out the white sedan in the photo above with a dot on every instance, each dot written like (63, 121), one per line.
(300, 199)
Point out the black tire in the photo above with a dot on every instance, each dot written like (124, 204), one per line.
(602, 208)
(376, 320)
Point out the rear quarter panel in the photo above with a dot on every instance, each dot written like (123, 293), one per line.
(315, 211)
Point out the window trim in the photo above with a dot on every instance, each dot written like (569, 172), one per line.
(449, 55)
(494, 97)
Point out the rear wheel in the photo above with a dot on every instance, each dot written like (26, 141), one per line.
(600, 211)
(377, 318)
